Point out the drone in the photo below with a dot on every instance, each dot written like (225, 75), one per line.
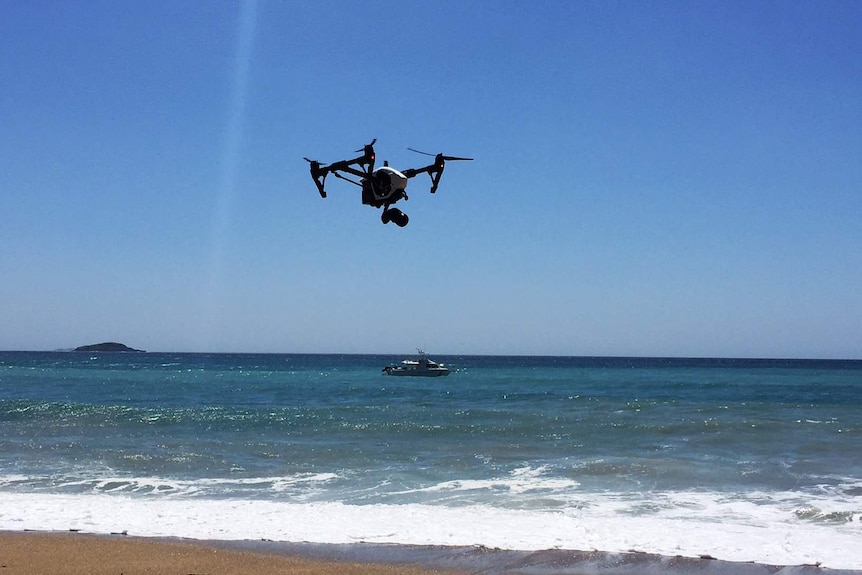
(383, 186)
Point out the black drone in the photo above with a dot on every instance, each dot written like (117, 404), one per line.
(381, 187)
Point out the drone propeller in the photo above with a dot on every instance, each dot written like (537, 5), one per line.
(317, 169)
(362, 149)
(441, 156)
(435, 170)
(420, 152)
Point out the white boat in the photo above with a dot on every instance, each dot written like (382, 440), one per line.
(422, 367)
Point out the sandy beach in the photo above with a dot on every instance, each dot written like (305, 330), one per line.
(80, 554)
(62, 553)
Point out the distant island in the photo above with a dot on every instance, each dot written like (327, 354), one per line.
(108, 346)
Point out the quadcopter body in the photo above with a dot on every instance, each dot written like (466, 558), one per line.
(383, 186)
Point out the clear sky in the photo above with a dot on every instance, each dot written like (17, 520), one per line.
(651, 178)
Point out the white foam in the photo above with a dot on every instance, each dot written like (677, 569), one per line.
(524, 480)
(109, 482)
(688, 524)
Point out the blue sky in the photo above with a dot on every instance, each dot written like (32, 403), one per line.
(651, 178)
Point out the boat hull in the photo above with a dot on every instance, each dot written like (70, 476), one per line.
(401, 372)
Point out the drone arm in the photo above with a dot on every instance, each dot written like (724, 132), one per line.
(435, 179)
(346, 165)
(318, 174)
(434, 171)
(365, 161)
(346, 179)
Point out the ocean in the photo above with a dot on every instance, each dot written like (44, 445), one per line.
(738, 460)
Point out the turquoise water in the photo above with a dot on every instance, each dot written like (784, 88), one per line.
(668, 445)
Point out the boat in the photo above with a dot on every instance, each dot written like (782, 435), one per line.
(421, 367)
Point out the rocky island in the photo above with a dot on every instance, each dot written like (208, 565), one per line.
(108, 346)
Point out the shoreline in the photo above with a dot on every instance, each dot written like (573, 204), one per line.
(73, 553)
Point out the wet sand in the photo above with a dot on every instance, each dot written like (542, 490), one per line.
(62, 553)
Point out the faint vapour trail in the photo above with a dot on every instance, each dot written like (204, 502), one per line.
(213, 288)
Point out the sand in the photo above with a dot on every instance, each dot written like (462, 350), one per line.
(79, 554)
(61, 553)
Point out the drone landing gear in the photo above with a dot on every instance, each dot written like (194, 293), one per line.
(394, 215)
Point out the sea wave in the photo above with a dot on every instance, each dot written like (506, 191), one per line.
(688, 524)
